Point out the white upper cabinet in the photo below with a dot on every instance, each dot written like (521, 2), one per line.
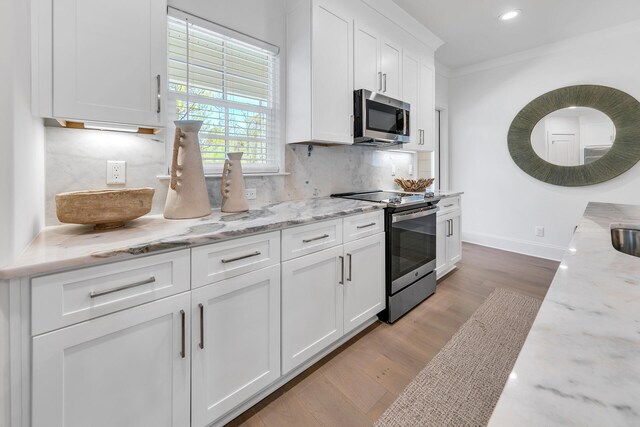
(426, 109)
(410, 77)
(108, 61)
(366, 59)
(391, 68)
(377, 62)
(319, 74)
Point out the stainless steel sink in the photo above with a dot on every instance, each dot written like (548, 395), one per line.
(626, 238)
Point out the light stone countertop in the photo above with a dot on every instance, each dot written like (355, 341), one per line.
(580, 363)
(63, 247)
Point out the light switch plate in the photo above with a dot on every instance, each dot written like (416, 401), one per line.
(116, 172)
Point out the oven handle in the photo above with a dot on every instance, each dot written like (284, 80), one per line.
(412, 215)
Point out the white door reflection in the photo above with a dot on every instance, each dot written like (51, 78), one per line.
(573, 136)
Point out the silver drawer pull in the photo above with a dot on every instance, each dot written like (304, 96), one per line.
(256, 253)
(366, 226)
(95, 294)
(324, 236)
(448, 206)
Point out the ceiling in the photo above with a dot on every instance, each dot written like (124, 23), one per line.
(472, 32)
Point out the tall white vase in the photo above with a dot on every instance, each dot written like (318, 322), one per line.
(232, 185)
(187, 196)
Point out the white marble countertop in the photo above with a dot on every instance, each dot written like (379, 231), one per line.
(64, 247)
(580, 364)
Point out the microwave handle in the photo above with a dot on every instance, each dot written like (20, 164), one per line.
(404, 127)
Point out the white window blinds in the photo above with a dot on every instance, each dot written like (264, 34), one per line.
(230, 85)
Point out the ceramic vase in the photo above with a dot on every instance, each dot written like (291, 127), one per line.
(232, 185)
(187, 196)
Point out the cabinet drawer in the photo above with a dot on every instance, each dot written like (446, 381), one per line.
(63, 299)
(311, 238)
(363, 225)
(448, 204)
(224, 260)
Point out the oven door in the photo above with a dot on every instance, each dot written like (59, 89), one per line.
(412, 245)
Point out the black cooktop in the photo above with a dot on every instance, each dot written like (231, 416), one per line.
(391, 198)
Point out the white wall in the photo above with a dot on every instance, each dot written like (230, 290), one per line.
(22, 140)
(21, 162)
(502, 204)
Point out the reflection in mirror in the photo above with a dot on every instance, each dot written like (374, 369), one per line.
(573, 136)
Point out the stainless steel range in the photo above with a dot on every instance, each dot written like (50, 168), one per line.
(410, 226)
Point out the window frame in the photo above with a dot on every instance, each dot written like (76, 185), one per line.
(275, 133)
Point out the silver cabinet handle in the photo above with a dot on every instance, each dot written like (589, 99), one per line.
(379, 81)
(341, 270)
(451, 227)
(421, 136)
(352, 124)
(366, 226)
(94, 294)
(225, 261)
(349, 276)
(324, 236)
(159, 94)
(183, 326)
(448, 206)
(201, 325)
(384, 82)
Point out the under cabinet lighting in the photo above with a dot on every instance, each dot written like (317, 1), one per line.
(110, 126)
(509, 15)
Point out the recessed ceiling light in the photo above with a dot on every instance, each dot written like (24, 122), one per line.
(509, 15)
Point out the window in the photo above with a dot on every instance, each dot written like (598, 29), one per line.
(229, 81)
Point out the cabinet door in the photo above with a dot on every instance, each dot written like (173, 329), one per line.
(426, 108)
(367, 74)
(312, 305)
(410, 73)
(109, 60)
(442, 231)
(129, 368)
(391, 67)
(332, 76)
(364, 285)
(235, 343)
(454, 246)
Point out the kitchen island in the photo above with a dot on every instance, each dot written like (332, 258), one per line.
(580, 364)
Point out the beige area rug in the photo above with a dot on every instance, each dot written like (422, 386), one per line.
(461, 385)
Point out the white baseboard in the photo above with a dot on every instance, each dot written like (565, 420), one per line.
(539, 250)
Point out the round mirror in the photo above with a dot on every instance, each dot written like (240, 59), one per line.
(561, 145)
(573, 136)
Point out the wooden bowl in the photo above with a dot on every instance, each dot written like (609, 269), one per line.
(107, 209)
(414, 185)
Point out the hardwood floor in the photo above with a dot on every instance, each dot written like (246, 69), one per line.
(356, 383)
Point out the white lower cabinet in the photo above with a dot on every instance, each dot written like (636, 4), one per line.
(235, 343)
(130, 368)
(364, 290)
(448, 242)
(328, 294)
(312, 313)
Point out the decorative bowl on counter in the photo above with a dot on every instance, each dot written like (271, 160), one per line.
(106, 209)
(414, 185)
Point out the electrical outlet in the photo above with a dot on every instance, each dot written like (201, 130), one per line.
(393, 169)
(539, 231)
(410, 169)
(116, 172)
(250, 193)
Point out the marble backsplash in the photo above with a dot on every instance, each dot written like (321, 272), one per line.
(76, 160)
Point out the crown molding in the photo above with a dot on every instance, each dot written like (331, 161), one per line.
(405, 21)
(573, 43)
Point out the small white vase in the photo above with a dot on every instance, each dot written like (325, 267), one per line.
(232, 185)
(187, 196)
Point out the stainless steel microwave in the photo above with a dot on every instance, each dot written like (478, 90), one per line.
(379, 120)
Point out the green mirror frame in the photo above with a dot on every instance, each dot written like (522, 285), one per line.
(622, 109)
